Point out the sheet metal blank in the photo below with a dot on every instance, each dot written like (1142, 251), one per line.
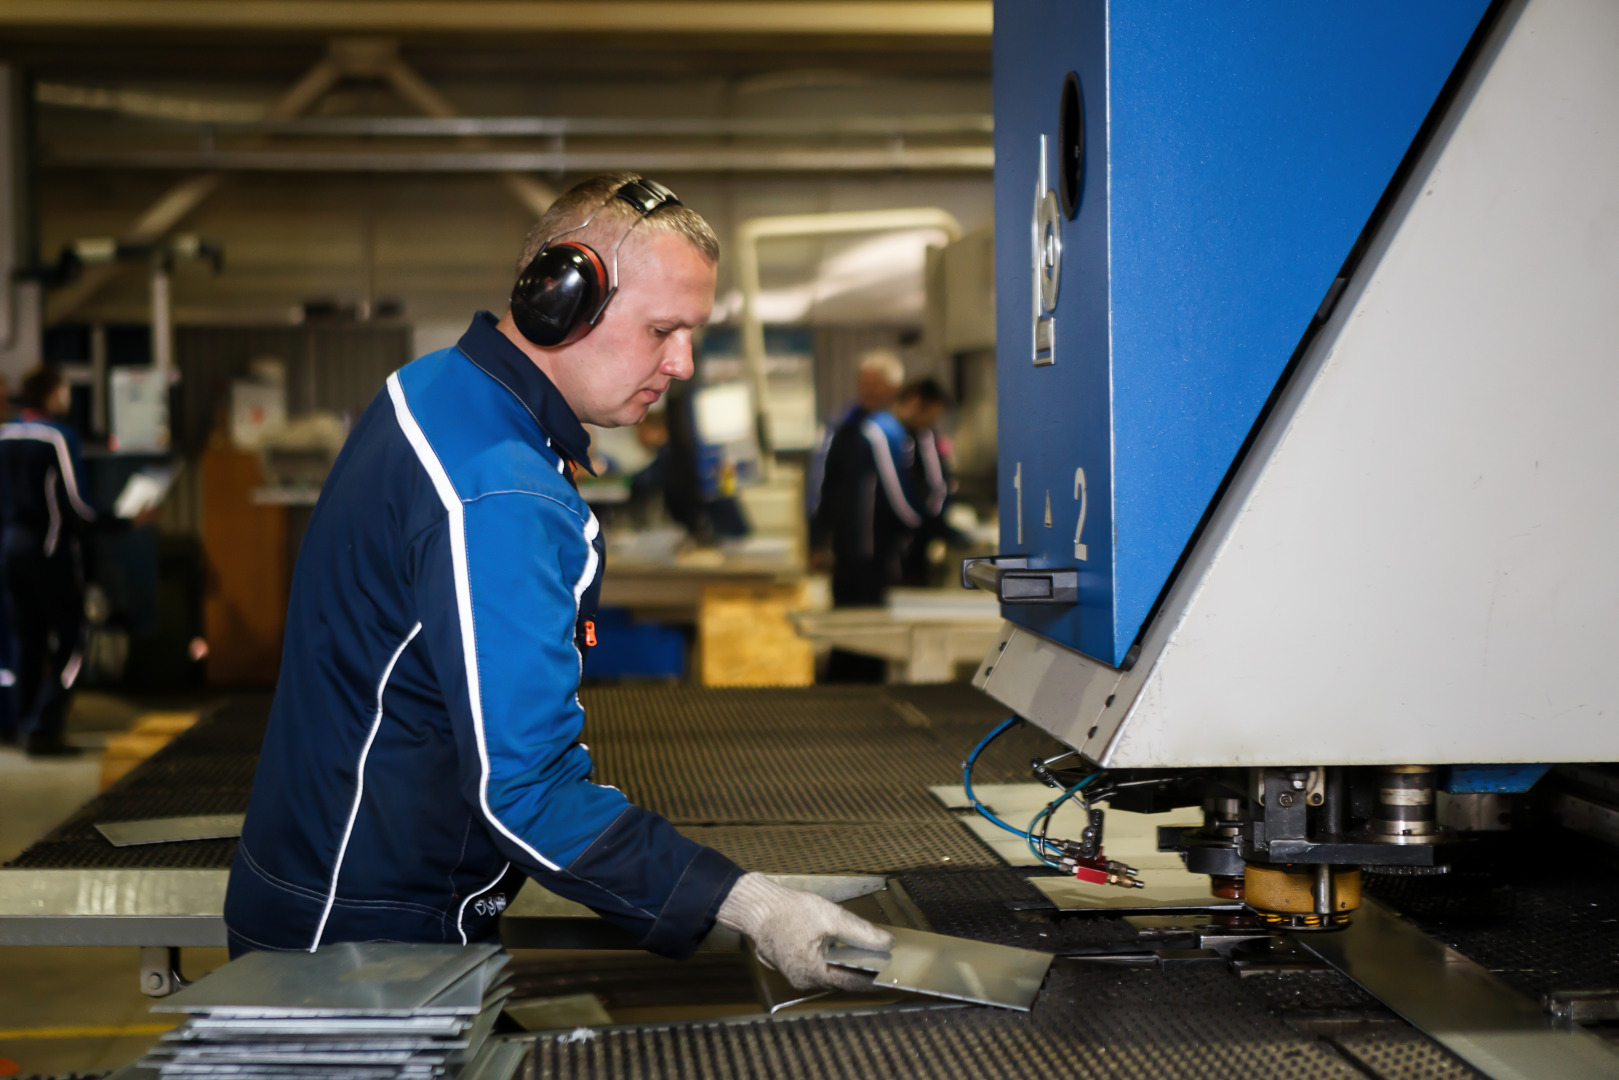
(347, 979)
(170, 830)
(1067, 894)
(950, 967)
(1457, 1002)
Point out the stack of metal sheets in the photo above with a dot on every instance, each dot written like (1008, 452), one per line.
(348, 1012)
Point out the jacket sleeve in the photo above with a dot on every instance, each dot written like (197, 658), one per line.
(816, 504)
(894, 486)
(70, 461)
(497, 588)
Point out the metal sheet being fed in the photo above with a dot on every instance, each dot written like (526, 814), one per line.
(953, 968)
(347, 979)
(171, 830)
(1458, 1003)
(1070, 895)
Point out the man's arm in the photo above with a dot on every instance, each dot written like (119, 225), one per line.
(69, 465)
(890, 480)
(497, 593)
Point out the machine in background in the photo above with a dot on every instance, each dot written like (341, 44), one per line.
(1306, 381)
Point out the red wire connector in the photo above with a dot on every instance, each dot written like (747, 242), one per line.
(1101, 871)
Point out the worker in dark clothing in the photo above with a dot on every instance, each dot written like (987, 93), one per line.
(919, 408)
(43, 514)
(875, 493)
(424, 749)
(8, 665)
(881, 375)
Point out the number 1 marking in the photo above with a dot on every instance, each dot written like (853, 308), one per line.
(1081, 552)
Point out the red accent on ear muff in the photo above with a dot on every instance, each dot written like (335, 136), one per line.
(595, 261)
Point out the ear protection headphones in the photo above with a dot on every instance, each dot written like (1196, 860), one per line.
(566, 285)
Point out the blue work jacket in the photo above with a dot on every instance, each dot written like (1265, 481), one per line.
(423, 750)
(42, 501)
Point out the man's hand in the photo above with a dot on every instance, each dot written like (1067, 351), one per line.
(790, 929)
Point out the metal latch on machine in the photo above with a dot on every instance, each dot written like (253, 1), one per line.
(1013, 581)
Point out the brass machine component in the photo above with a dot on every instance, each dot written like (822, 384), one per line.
(1405, 813)
(1302, 896)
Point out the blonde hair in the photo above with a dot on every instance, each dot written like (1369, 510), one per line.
(613, 216)
(883, 362)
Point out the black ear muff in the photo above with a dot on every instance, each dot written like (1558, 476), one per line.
(564, 290)
(560, 290)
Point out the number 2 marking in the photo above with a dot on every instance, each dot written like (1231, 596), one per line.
(1081, 552)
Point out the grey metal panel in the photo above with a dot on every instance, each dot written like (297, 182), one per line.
(1459, 1003)
(1068, 894)
(1412, 564)
(1064, 691)
(171, 830)
(956, 968)
(112, 907)
(347, 978)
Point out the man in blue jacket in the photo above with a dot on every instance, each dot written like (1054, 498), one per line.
(423, 752)
(876, 492)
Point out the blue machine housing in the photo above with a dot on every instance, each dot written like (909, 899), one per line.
(1233, 153)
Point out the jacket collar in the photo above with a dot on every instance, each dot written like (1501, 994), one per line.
(497, 357)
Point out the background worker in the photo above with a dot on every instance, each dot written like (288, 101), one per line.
(920, 407)
(43, 515)
(875, 495)
(423, 754)
(881, 375)
(8, 668)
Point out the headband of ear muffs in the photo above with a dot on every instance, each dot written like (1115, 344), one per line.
(566, 287)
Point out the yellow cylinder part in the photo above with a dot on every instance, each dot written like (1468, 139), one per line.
(1288, 889)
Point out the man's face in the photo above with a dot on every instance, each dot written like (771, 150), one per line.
(612, 376)
(916, 416)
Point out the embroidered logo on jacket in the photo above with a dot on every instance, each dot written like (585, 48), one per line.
(490, 905)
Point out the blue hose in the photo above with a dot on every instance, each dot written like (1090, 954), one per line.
(1047, 812)
(988, 815)
(967, 779)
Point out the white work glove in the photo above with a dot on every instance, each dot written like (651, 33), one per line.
(790, 930)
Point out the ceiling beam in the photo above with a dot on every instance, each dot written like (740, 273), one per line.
(228, 118)
(178, 202)
(375, 58)
(717, 159)
(535, 195)
(902, 18)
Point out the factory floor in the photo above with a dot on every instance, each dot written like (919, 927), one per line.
(65, 1010)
